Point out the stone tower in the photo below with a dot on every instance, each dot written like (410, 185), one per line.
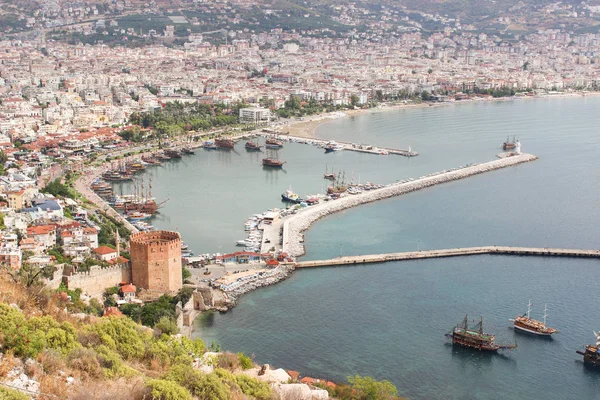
(156, 261)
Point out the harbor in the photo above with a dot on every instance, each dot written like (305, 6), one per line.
(294, 227)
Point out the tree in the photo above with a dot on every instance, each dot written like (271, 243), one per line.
(367, 388)
(185, 274)
(167, 326)
(28, 275)
(425, 95)
(354, 100)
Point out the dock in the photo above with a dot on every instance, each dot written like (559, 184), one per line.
(458, 252)
(361, 148)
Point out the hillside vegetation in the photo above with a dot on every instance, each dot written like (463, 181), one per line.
(79, 356)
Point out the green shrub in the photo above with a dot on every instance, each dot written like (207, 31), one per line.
(121, 335)
(367, 388)
(167, 390)
(15, 334)
(195, 347)
(9, 394)
(169, 351)
(167, 326)
(245, 361)
(203, 386)
(52, 335)
(253, 387)
(112, 364)
(210, 387)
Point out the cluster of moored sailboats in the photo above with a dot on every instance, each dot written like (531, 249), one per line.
(474, 337)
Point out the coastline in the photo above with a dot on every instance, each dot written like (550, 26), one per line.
(308, 129)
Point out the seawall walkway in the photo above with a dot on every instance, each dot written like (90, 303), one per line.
(293, 227)
(458, 252)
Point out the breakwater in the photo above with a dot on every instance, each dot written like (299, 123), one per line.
(459, 252)
(294, 226)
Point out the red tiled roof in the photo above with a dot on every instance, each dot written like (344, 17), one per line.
(128, 289)
(104, 250)
(40, 230)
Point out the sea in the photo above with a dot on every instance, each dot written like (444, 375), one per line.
(389, 320)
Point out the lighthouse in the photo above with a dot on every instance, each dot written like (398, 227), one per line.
(518, 147)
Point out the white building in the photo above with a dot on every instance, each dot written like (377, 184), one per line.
(255, 115)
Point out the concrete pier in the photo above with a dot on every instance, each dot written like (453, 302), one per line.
(459, 252)
(295, 225)
(345, 145)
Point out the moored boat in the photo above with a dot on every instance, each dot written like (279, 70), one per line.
(509, 144)
(209, 145)
(224, 143)
(173, 153)
(525, 323)
(591, 353)
(273, 143)
(290, 196)
(475, 338)
(272, 163)
(252, 146)
(333, 146)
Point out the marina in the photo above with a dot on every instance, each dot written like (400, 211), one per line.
(416, 303)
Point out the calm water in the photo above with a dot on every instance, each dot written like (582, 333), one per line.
(388, 320)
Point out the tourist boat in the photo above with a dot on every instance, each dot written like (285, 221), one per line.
(591, 354)
(328, 175)
(525, 323)
(272, 163)
(333, 146)
(224, 143)
(252, 146)
(138, 216)
(163, 157)
(508, 144)
(210, 145)
(173, 153)
(475, 338)
(291, 197)
(188, 150)
(273, 143)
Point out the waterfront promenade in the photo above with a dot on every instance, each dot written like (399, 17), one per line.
(458, 252)
(293, 227)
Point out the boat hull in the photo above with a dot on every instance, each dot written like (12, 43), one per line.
(531, 331)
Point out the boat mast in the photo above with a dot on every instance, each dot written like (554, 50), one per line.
(481, 326)
(545, 312)
(529, 310)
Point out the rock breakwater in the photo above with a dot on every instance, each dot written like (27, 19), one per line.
(297, 224)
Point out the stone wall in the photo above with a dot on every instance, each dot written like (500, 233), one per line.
(97, 279)
(156, 261)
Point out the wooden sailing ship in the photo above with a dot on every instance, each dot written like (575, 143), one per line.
(474, 337)
(591, 353)
(508, 145)
(525, 323)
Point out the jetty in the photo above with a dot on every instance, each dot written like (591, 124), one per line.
(362, 148)
(458, 252)
(294, 226)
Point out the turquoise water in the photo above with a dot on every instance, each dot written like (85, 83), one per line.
(389, 320)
